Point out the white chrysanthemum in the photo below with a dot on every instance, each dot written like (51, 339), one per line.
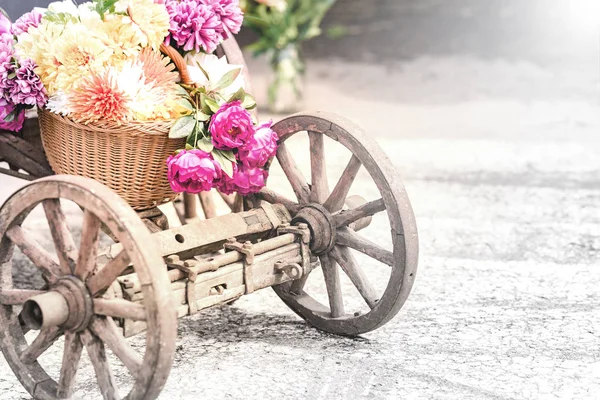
(216, 68)
(58, 103)
(66, 6)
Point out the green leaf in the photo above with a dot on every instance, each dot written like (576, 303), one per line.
(188, 147)
(228, 154)
(12, 115)
(204, 105)
(239, 95)
(182, 127)
(12, 75)
(205, 144)
(185, 103)
(181, 91)
(249, 102)
(227, 79)
(212, 105)
(200, 116)
(224, 162)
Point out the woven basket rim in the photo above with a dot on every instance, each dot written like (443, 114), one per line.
(132, 127)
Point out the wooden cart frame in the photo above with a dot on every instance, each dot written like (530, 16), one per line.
(96, 298)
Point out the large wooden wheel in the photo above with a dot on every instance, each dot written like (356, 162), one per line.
(334, 232)
(72, 300)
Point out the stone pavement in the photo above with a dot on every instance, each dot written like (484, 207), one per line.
(500, 160)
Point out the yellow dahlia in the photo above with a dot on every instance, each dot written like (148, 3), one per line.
(125, 40)
(39, 44)
(99, 97)
(80, 53)
(150, 20)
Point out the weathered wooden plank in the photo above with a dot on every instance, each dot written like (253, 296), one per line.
(119, 308)
(346, 260)
(88, 250)
(347, 217)
(349, 238)
(104, 375)
(293, 174)
(70, 363)
(40, 344)
(334, 286)
(35, 252)
(338, 196)
(319, 185)
(63, 240)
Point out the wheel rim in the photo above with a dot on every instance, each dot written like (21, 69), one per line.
(403, 257)
(92, 332)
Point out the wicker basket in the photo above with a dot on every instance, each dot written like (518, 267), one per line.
(129, 158)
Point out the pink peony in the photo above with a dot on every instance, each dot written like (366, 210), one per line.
(192, 171)
(231, 126)
(245, 181)
(194, 26)
(260, 148)
(28, 89)
(6, 108)
(229, 12)
(30, 20)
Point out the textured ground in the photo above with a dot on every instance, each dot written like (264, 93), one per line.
(500, 160)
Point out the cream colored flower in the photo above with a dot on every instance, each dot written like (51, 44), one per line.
(150, 21)
(216, 68)
(39, 44)
(80, 53)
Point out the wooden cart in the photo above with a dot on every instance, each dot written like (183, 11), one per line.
(96, 297)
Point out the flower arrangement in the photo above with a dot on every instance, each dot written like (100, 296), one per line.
(282, 27)
(102, 61)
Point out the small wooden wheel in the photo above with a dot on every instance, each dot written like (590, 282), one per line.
(71, 301)
(334, 238)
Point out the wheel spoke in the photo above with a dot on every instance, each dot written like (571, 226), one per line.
(334, 287)
(346, 260)
(63, 240)
(108, 332)
(12, 297)
(275, 198)
(40, 344)
(106, 381)
(70, 363)
(349, 238)
(293, 174)
(88, 249)
(119, 308)
(336, 200)
(345, 218)
(36, 253)
(108, 274)
(319, 185)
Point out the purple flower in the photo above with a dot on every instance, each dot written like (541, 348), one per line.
(28, 89)
(245, 181)
(192, 171)
(30, 20)
(6, 34)
(194, 25)
(260, 148)
(229, 12)
(231, 127)
(6, 108)
(7, 67)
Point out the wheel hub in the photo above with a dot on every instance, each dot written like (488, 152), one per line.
(67, 304)
(322, 227)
